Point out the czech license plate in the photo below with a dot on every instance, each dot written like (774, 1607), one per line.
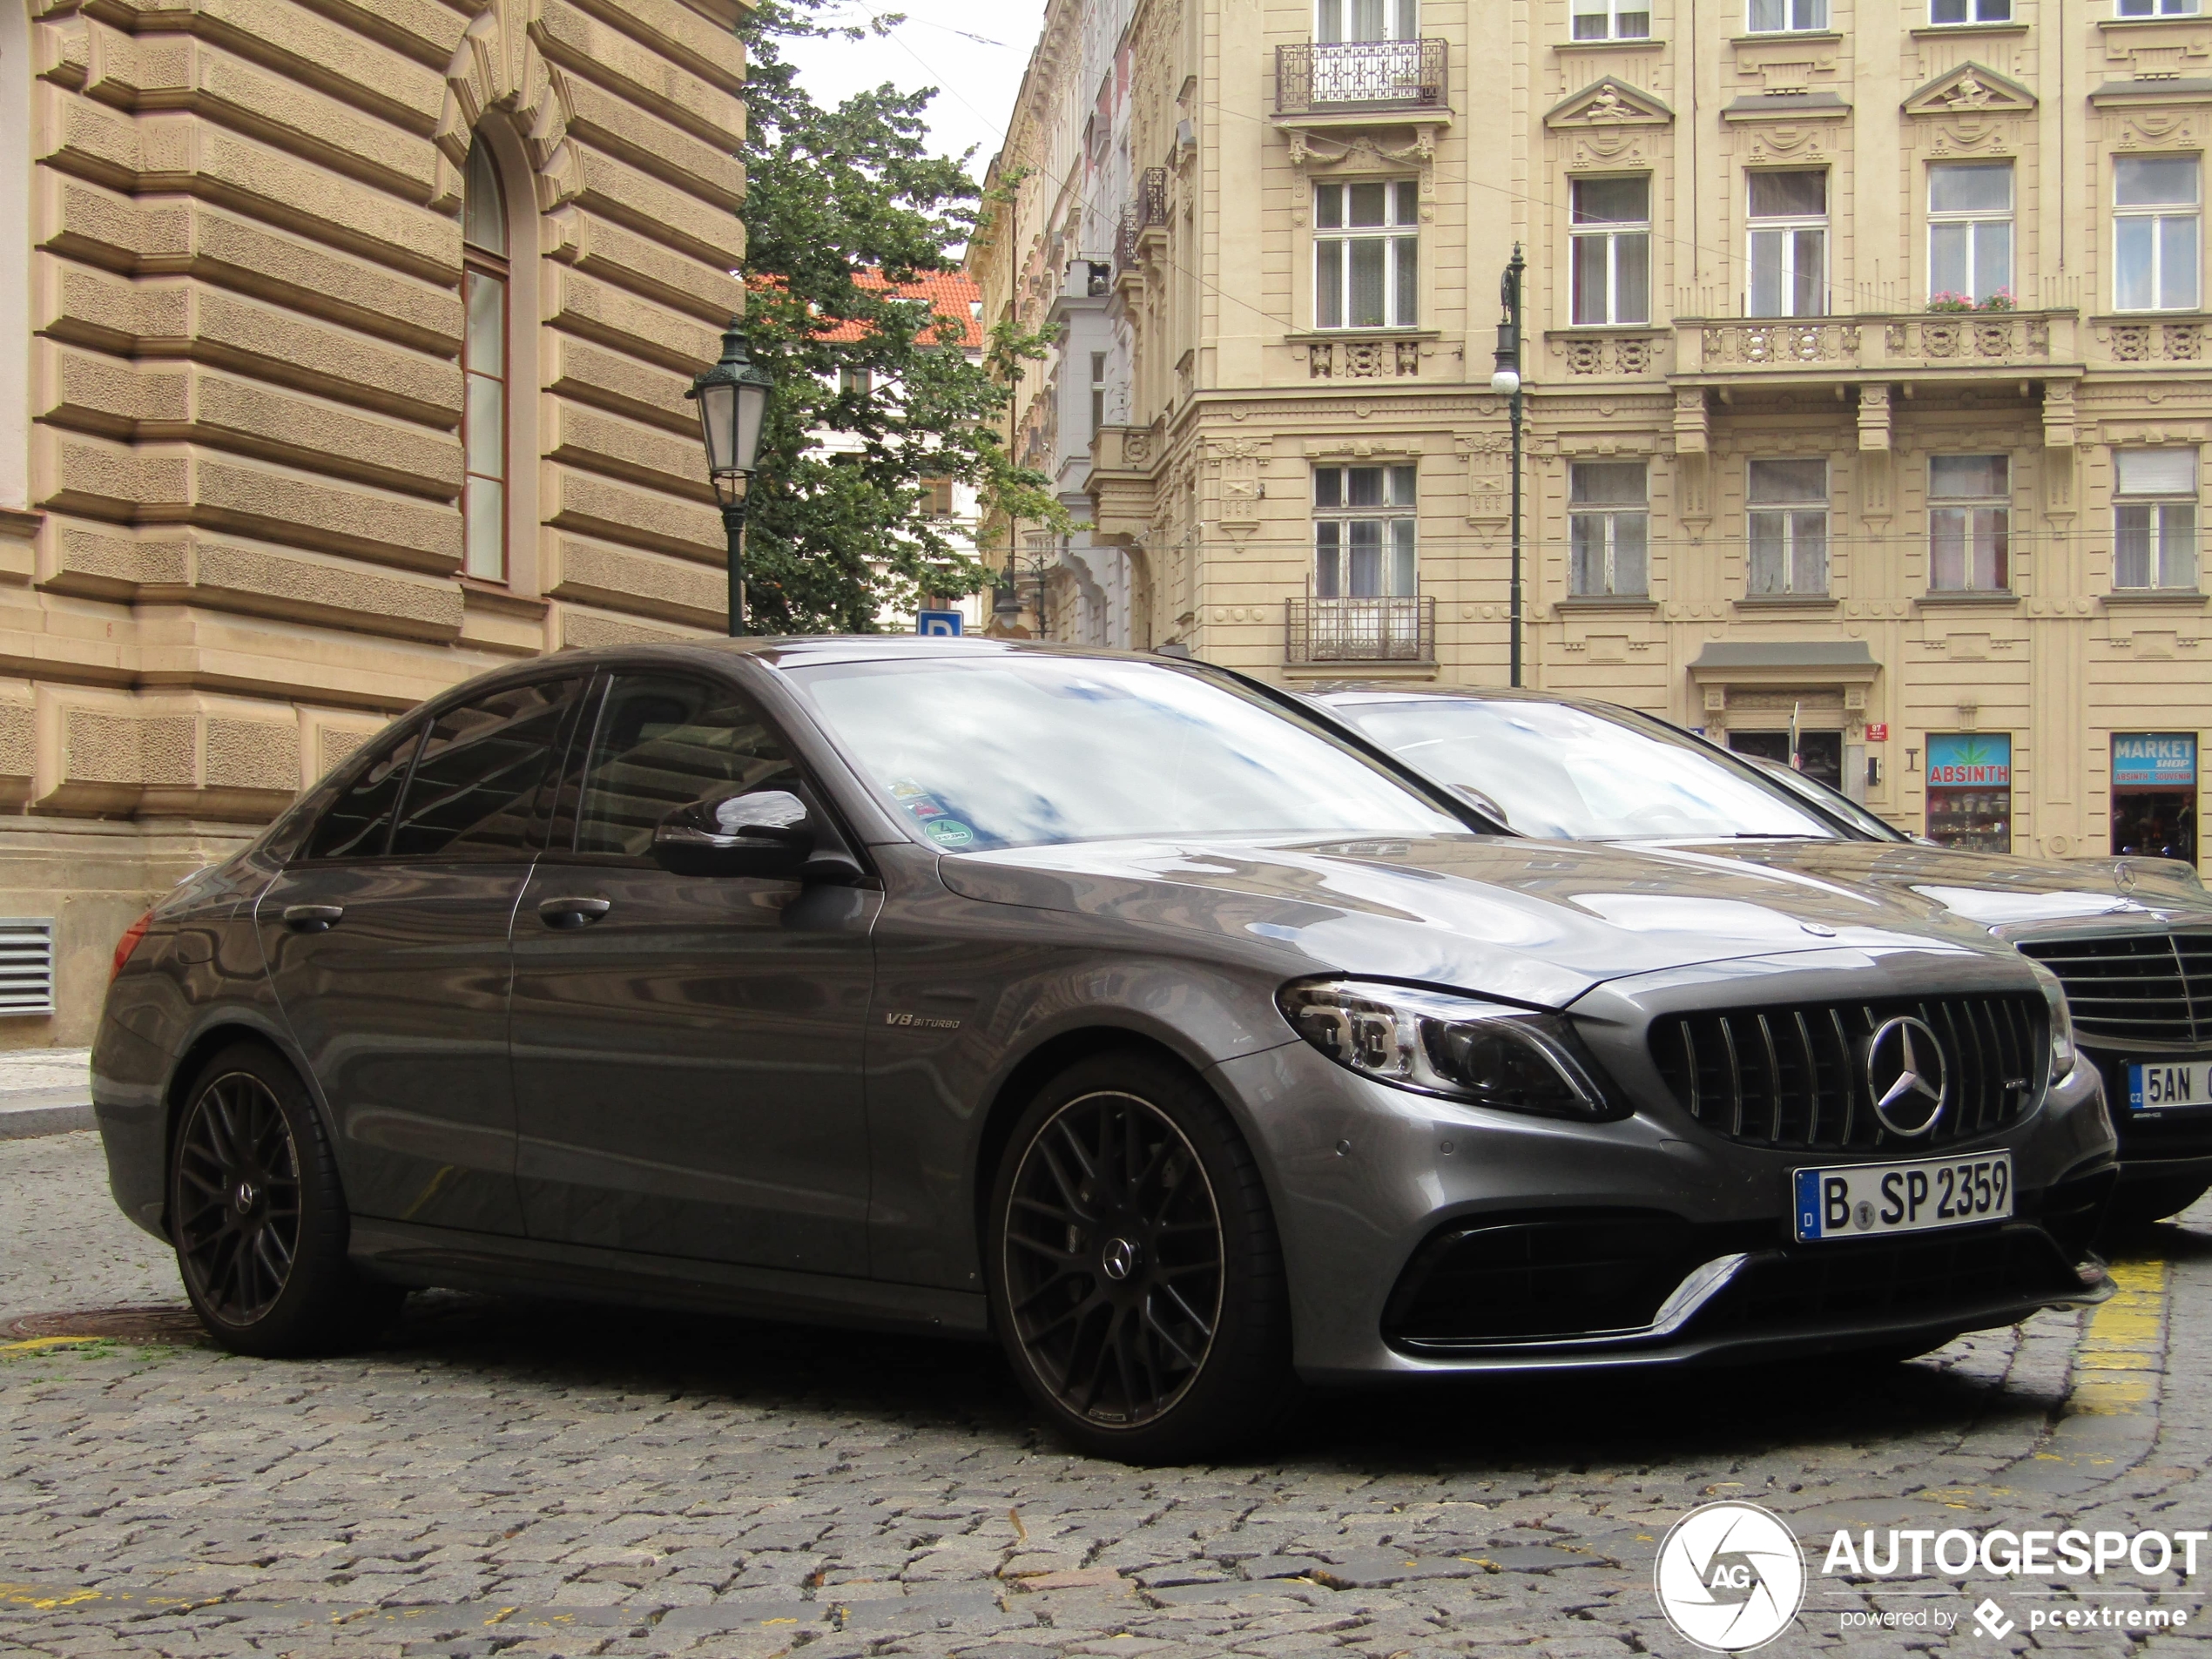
(1867, 1200)
(2158, 1086)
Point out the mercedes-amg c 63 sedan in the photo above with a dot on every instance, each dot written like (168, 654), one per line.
(1112, 1006)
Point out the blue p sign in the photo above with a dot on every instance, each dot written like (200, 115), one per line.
(945, 624)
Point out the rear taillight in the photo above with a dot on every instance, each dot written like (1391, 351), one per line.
(128, 943)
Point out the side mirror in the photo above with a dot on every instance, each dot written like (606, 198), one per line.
(767, 833)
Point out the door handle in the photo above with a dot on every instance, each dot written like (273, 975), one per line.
(312, 917)
(572, 912)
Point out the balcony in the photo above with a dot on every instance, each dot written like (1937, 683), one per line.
(1922, 345)
(1149, 210)
(1359, 630)
(1362, 76)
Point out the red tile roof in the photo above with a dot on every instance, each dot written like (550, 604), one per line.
(952, 294)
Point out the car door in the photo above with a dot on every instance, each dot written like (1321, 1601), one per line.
(386, 943)
(686, 1047)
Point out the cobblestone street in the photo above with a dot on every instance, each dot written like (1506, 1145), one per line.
(538, 1479)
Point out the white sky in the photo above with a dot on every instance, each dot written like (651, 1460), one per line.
(973, 51)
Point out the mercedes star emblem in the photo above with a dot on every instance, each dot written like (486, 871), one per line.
(1905, 1071)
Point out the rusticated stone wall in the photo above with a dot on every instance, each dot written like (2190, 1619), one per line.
(235, 547)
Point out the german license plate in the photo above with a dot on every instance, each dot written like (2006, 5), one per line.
(1868, 1200)
(2159, 1086)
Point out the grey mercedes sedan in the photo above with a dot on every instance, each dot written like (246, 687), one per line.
(1110, 1006)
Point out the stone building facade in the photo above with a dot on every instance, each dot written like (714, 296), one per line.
(1868, 364)
(358, 333)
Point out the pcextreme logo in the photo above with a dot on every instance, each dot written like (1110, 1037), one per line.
(1729, 1577)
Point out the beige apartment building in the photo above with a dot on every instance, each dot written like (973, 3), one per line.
(345, 357)
(1868, 369)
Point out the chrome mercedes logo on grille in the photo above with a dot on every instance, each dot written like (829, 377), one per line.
(1907, 1076)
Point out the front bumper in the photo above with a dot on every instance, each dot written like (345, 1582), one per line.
(1367, 1179)
(2154, 1146)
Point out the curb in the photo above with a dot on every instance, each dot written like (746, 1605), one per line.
(31, 1112)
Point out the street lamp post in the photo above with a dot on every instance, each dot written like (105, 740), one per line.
(1505, 380)
(732, 398)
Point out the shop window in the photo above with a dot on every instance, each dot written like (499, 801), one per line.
(1612, 249)
(2153, 519)
(1609, 525)
(1786, 521)
(1363, 532)
(1366, 257)
(1612, 19)
(2155, 233)
(1970, 231)
(485, 283)
(1969, 524)
(1788, 243)
(1970, 791)
(2153, 794)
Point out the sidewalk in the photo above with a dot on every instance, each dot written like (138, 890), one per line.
(44, 1091)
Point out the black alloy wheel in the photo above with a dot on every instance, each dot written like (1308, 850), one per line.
(258, 1215)
(1136, 1283)
(238, 1185)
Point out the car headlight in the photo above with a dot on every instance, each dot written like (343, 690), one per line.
(2063, 1053)
(1461, 1048)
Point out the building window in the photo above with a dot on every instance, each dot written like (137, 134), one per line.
(484, 283)
(1363, 532)
(1608, 526)
(855, 382)
(1612, 238)
(1787, 521)
(2155, 233)
(1367, 262)
(2153, 519)
(1788, 16)
(1970, 231)
(1969, 524)
(1955, 11)
(1337, 20)
(1612, 19)
(1098, 390)
(936, 497)
(1788, 252)
(2158, 8)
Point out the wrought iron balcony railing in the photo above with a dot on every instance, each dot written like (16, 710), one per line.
(1315, 80)
(1149, 209)
(1360, 630)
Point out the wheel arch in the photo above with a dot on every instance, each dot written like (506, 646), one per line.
(225, 1028)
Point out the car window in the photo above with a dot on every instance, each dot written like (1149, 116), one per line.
(663, 743)
(1569, 773)
(998, 751)
(477, 778)
(358, 823)
(1828, 800)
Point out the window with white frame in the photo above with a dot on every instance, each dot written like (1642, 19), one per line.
(1098, 390)
(1609, 529)
(2158, 8)
(1612, 19)
(1788, 16)
(2155, 233)
(1969, 524)
(2153, 518)
(1970, 230)
(1786, 525)
(1366, 256)
(1788, 243)
(1341, 21)
(1363, 532)
(1611, 238)
(1944, 12)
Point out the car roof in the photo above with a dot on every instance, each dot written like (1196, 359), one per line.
(1348, 693)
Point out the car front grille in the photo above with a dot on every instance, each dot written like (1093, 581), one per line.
(1795, 1077)
(2141, 987)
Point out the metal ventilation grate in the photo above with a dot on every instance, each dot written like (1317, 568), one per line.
(26, 965)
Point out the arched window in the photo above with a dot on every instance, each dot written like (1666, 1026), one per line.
(15, 253)
(486, 285)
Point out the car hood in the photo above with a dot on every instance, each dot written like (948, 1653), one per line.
(2017, 897)
(1535, 921)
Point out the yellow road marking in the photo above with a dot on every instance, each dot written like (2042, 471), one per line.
(35, 1345)
(2114, 1363)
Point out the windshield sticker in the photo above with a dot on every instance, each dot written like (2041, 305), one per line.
(948, 832)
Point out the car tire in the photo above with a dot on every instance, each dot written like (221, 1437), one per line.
(2137, 1203)
(258, 1217)
(1136, 1278)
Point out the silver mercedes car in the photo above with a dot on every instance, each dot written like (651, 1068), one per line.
(1112, 1006)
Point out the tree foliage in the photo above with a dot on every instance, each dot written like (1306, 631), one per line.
(843, 205)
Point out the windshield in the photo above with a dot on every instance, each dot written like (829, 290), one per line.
(1021, 751)
(1553, 770)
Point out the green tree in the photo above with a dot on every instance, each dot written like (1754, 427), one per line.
(843, 206)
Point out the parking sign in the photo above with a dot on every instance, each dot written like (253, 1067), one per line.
(937, 622)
